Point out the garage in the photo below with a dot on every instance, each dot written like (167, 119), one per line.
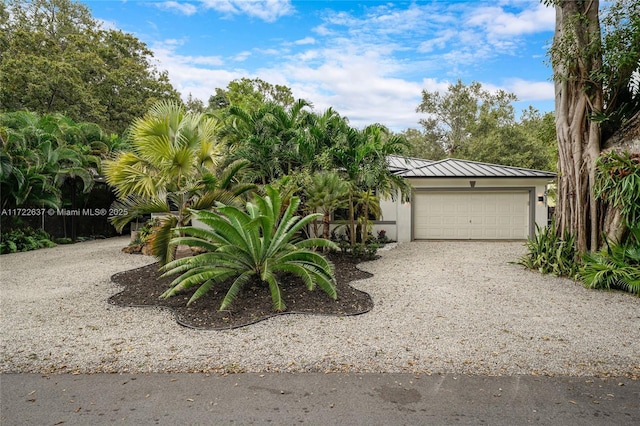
(455, 199)
(471, 215)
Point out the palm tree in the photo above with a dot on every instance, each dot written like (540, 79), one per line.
(270, 137)
(252, 246)
(327, 192)
(362, 159)
(173, 167)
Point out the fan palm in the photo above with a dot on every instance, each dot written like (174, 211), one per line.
(172, 168)
(252, 246)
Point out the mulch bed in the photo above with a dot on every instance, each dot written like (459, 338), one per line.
(143, 287)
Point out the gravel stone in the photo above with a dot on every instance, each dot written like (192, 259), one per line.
(440, 307)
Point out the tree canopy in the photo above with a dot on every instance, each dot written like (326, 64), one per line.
(472, 123)
(251, 93)
(56, 58)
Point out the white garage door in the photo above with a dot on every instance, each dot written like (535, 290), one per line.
(467, 215)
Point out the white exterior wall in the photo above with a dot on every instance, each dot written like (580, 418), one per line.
(401, 231)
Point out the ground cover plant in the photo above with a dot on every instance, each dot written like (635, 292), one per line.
(24, 240)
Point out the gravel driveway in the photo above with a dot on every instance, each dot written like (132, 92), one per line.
(440, 307)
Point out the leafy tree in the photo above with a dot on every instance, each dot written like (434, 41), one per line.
(270, 137)
(194, 105)
(593, 69)
(361, 158)
(324, 130)
(452, 116)
(471, 123)
(541, 128)
(250, 94)
(173, 167)
(57, 59)
(423, 144)
(252, 247)
(251, 135)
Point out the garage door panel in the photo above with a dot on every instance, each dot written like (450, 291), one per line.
(467, 215)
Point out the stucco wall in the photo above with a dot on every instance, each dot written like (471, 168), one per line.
(401, 230)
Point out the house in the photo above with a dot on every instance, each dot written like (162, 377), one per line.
(465, 200)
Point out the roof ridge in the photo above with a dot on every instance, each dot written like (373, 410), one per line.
(496, 165)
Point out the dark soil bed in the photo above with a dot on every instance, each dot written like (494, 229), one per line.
(143, 287)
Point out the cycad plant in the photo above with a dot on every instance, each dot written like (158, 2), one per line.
(256, 246)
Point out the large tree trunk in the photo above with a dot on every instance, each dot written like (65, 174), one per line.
(576, 55)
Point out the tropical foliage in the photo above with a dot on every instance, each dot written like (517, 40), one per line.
(39, 154)
(56, 58)
(618, 183)
(360, 157)
(326, 192)
(252, 247)
(550, 253)
(173, 166)
(616, 266)
(25, 239)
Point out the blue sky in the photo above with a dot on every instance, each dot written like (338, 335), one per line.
(369, 59)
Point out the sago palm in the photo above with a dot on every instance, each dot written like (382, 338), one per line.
(256, 246)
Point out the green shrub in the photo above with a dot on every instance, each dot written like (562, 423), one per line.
(147, 229)
(382, 237)
(18, 240)
(252, 247)
(550, 253)
(63, 240)
(616, 266)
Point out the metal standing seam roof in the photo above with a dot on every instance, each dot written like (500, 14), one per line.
(452, 167)
(402, 164)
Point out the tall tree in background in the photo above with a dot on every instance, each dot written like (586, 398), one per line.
(423, 144)
(55, 58)
(471, 123)
(451, 115)
(248, 94)
(593, 70)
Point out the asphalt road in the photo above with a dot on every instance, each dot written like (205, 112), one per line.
(317, 399)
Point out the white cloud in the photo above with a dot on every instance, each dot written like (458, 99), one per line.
(267, 10)
(164, 52)
(242, 56)
(438, 42)
(372, 67)
(530, 90)
(306, 40)
(359, 86)
(180, 7)
(500, 23)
